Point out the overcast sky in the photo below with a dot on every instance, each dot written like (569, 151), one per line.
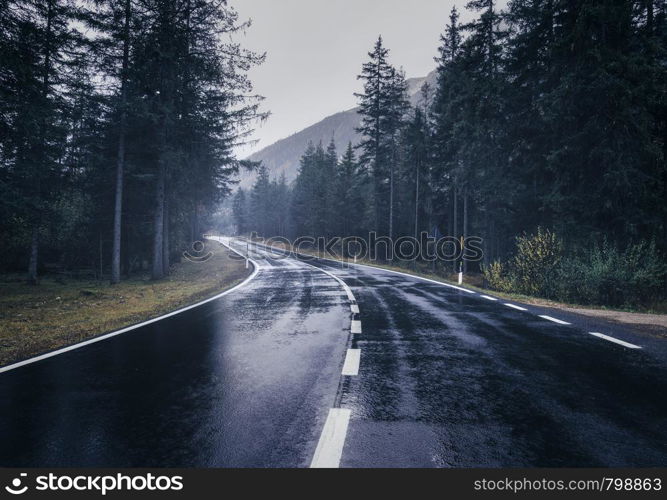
(315, 49)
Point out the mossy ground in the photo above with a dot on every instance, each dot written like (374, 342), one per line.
(63, 311)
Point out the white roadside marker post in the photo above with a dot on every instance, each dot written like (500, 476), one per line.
(460, 273)
(247, 254)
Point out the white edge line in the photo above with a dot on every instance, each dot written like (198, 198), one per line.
(616, 341)
(330, 446)
(518, 308)
(352, 361)
(133, 327)
(555, 320)
(380, 268)
(355, 325)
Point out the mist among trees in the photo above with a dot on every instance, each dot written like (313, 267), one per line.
(548, 119)
(118, 120)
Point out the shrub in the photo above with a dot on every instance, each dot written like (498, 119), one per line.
(497, 278)
(604, 275)
(536, 262)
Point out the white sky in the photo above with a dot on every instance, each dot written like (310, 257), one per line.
(315, 49)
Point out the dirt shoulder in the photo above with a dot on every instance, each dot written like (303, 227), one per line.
(61, 312)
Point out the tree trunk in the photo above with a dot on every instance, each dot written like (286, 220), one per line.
(118, 209)
(34, 241)
(455, 224)
(165, 238)
(391, 195)
(158, 223)
(465, 226)
(34, 251)
(487, 244)
(120, 159)
(417, 200)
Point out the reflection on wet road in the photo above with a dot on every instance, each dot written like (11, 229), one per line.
(448, 379)
(243, 381)
(437, 377)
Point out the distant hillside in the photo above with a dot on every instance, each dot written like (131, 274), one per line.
(283, 156)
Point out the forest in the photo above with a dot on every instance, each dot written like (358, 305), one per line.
(118, 123)
(544, 136)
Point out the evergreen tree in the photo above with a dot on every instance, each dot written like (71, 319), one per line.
(349, 202)
(240, 212)
(40, 43)
(374, 108)
(260, 203)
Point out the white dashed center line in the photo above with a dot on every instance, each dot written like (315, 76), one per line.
(518, 308)
(330, 446)
(488, 298)
(616, 341)
(549, 318)
(352, 359)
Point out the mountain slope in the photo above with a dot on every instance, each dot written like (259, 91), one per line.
(283, 155)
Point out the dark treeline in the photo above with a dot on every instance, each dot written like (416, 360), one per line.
(546, 115)
(118, 120)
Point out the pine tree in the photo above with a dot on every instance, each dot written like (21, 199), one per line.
(349, 189)
(240, 212)
(41, 43)
(260, 203)
(447, 111)
(397, 109)
(374, 107)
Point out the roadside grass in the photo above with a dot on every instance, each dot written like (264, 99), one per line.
(60, 312)
(655, 317)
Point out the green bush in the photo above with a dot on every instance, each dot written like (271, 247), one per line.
(497, 278)
(536, 262)
(602, 275)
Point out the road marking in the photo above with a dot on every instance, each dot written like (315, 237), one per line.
(518, 308)
(351, 365)
(617, 341)
(133, 327)
(356, 325)
(559, 321)
(381, 269)
(330, 446)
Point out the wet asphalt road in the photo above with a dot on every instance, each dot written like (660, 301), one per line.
(446, 379)
(244, 381)
(449, 379)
